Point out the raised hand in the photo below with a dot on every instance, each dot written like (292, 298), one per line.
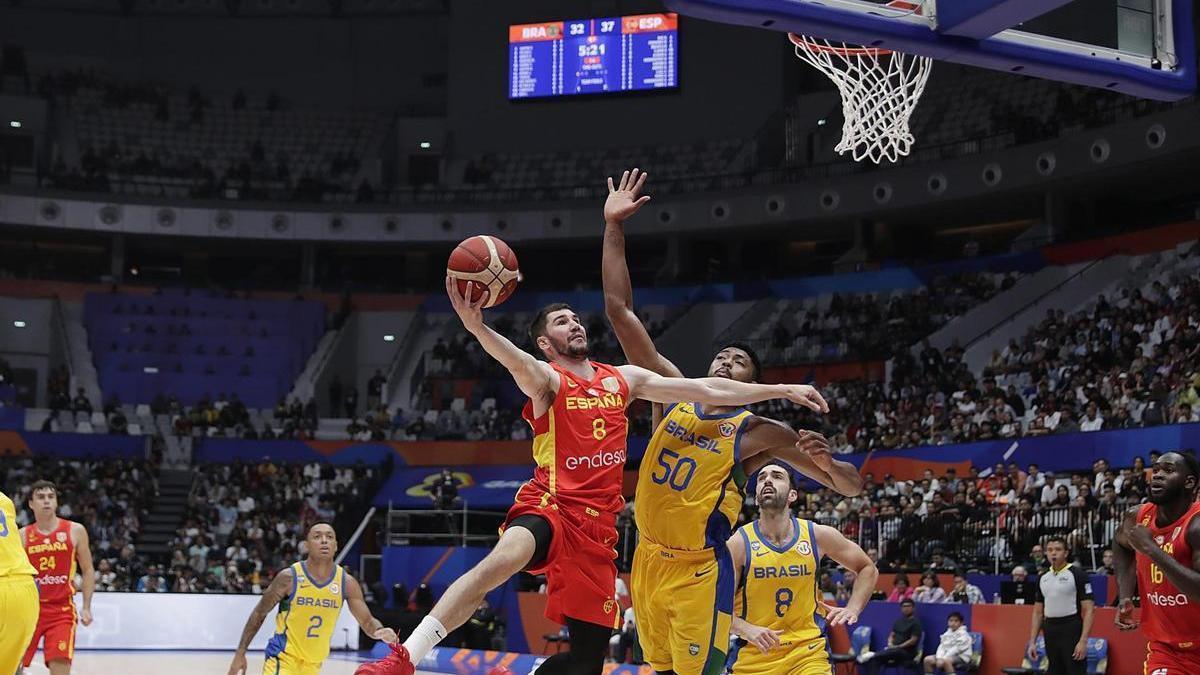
(471, 313)
(804, 395)
(623, 199)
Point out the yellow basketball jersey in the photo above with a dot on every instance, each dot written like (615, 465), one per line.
(779, 589)
(305, 620)
(13, 561)
(690, 483)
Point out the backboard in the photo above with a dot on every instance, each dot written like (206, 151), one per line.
(1143, 48)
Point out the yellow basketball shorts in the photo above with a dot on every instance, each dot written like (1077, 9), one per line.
(683, 607)
(803, 658)
(286, 664)
(18, 618)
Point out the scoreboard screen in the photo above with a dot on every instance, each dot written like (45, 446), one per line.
(593, 56)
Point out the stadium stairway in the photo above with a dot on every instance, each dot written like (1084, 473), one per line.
(174, 487)
(1085, 282)
(79, 354)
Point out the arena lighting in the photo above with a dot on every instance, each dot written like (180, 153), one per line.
(15, 124)
(821, 122)
(150, 369)
(425, 145)
(19, 323)
(389, 338)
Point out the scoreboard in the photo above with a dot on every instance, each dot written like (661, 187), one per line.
(593, 56)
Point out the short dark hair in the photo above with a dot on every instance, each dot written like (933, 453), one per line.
(786, 469)
(320, 522)
(955, 615)
(907, 601)
(537, 328)
(1056, 537)
(42, 485)
(754, 360)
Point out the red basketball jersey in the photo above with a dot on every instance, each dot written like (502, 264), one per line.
(1168, 615)
(579, 443)
(53, 556)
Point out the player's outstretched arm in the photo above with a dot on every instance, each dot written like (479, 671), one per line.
(533, 377)
(624, 201)
(280, 588)
(806, 451)
(83, 555)
(362, 614)
(851, 556)
(1185, 577)
(1126, 568)
(718, 391)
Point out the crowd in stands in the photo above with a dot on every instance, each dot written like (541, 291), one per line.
(245, 522)
(194, 145)
(870, 326)
(1127, 361)
(111, 498)
(957, 524)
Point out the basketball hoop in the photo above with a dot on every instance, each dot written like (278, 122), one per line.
(879, 88)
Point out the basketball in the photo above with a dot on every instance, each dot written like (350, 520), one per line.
(490, 263)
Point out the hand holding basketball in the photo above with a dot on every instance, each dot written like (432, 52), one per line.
(624, 200)
(469, 311)
(484, 265)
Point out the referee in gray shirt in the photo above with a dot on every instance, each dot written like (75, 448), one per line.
(1063, 609)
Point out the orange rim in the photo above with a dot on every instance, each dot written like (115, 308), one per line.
(800, 41)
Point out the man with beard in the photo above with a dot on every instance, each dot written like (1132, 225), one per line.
(563, 523)
(781, 621)
(1163, 537)
(690, 483)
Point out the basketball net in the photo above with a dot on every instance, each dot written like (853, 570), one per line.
(879, 88)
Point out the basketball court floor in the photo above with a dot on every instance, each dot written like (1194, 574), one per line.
(200, 663)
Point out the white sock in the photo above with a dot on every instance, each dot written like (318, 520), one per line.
(425, 637)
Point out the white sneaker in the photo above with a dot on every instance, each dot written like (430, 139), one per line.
(865, 656)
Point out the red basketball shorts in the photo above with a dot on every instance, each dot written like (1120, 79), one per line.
(581, 577)
(56, 626)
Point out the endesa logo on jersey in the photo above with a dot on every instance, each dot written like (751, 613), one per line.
(1167, 600)
(53, 580)
(600, 460)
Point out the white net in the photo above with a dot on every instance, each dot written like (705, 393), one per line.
(879, 89)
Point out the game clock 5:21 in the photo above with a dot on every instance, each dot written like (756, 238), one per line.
(593, 56)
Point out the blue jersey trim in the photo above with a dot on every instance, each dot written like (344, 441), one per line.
(701, 415)
(737, 440)
(295, 584)
(313, 581)
(768, 544)
(812, 539)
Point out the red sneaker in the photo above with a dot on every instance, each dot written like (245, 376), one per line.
(499, 670)
(396, 663)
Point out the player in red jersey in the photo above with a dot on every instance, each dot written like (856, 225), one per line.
(1164, 539)
(563, 523)
(54, 545)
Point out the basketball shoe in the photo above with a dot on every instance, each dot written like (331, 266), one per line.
(396, 663)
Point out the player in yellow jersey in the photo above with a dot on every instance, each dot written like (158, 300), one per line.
(779, 611)
(690, 482)
(310, 595)
(18, 592)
